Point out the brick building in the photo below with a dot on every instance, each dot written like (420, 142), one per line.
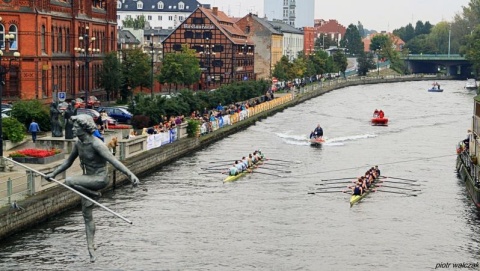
(224, 50)
(268, 43)
(308, 40)
(46, 34)
(330, 28)
(397, 42)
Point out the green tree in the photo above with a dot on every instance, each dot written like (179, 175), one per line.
(378, 42)
(138, 23)
(180, 68)
(340, 61)
(352, 40)
(136, 71)
(472, 50)
(26, 111)
(324, 42)
(365, 63)
(280, 70)
(111, 77)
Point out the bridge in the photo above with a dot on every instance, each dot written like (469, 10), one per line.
(454, 64)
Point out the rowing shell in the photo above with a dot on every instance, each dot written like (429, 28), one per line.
(230, 179)
(356, 198)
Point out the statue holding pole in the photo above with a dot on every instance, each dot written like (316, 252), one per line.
(94, 156)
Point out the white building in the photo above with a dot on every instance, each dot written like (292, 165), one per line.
(160, 14)
(292, 38)
(298, 13)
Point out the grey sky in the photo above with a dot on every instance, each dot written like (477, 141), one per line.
(380, 15)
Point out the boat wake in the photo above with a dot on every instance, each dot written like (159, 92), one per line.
(302, 140)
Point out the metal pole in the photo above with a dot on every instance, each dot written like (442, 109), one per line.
(449, 35)
(151, 45)
(71, 189)
(87, 68)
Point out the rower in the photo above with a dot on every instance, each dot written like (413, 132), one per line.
(260, 154)
(250, 160)
(357, 190)
(239, 166)
(318, 131)
(233, 171)
(254, 159)
(377, 170)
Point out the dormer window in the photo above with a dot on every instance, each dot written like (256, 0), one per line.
(160, 5)
(181, 5)
(119, 4)
(139, 5)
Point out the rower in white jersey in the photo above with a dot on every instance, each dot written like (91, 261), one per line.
(245, 162)
(239, 166)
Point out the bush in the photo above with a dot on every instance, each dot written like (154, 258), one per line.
(13, 130)
(192, 128)
(25, 111)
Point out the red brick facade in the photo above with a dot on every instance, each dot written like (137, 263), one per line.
(47, 35)
(308, 40)
(330, 28)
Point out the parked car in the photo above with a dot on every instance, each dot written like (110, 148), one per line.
(5, 106)
(7, 112)
(95, 115)
(119, 114)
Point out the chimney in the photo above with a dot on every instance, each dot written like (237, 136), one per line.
(215, 11)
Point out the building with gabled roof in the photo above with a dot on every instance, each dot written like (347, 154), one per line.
(223, 49)
(268, 43)
(293, 39)
(331, 28)
(160, 14)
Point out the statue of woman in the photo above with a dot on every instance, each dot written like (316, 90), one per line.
(69, 113)
(94, 156)
(57, 130)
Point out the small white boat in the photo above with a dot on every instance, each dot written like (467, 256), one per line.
(471, 84)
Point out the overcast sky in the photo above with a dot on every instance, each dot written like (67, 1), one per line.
(380, 15)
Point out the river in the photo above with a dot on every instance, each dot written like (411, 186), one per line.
(184, 220)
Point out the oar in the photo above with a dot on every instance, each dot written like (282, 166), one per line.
(403, 179)
(401, 188)
(282, 171)
(324, 180)
(412, 184)
(329, 187)
(213, 172)
(71, 189)
(346, 181)
(323, 192)
(276, 175)
(296, 162)
(394, 192)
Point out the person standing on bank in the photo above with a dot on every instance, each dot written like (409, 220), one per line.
(34, 129)
(94, 156)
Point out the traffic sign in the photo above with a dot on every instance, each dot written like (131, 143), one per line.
(62, 96)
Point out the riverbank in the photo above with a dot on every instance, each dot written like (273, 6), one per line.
(55, 200)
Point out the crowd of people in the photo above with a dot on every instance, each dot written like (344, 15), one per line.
(365, 182)
(246, 163)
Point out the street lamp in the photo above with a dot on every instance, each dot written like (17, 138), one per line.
(3, 71)
(86, 52)
(449, 35)
(207, 51)
(151, 54)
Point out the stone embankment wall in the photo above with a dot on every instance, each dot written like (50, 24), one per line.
(46, 204)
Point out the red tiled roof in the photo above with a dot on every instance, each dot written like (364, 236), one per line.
(227, 26)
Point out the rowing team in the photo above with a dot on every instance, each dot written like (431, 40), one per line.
(364, 182)
(246, 163)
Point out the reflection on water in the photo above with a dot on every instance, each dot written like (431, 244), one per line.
(186, 220)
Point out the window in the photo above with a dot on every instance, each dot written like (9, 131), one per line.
(198, 35)
(247, 29)
(217, 63)
(42, 38)
(52, 35)
(119, 4)
(2, 37)
(181, 19)
(140, 5)
(177, 47)
(188, 34)
(207, 35)
(118, 17)
(60, 40)
(13, 31)
(159, 18)
(160, 5)
(197, 20)
(181, 5)
(170, 18)
(149, 17)
(285, 2)
(218, 48)
(67, 40)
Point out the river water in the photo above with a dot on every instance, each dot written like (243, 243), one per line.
(191, 221)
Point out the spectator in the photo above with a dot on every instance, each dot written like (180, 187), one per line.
(97, 134)
(34, 129)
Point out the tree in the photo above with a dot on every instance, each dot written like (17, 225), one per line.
(136, 71)
(281, 68)
(361, 30)
(340, 61)
(110, 77)
(324, 42)
(180, 68)
(472, 50)
(378, 42)
(365, 63)
(138, 23)
(352, 40)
